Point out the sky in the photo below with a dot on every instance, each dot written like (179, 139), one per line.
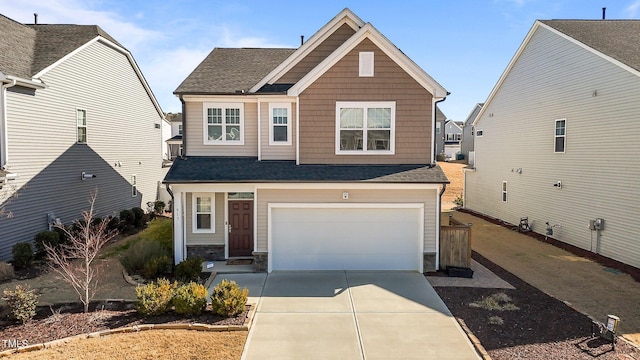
(465, 45)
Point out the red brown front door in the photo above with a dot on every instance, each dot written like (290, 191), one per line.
(240, 228)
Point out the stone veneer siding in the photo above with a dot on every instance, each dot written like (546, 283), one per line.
(260, 261)
(429, 262)
(207, 252)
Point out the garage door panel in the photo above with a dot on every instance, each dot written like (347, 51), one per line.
(351, 239)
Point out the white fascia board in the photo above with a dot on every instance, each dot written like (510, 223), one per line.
(251, 187)
(132, 61)
(346, 16)
(371, 33)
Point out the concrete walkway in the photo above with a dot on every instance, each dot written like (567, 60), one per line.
(351, 315)
(588, 286)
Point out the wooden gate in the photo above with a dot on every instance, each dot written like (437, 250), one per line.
(455, 245)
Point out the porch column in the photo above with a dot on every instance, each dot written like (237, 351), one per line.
(179, 242)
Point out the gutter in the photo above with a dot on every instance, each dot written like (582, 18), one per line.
(3, 124)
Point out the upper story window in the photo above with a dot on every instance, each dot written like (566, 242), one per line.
(479, 133)
(280, 124)
(180, 129)
(438, 127)
(453, 137)
(81, 123)
(366, 63)
(224, 123)
(560, 135)
(365, 128)
(203, 213)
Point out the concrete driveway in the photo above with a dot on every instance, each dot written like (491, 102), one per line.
(351, 315)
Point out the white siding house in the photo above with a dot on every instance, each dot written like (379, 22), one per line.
(569, 154)
(80, 105)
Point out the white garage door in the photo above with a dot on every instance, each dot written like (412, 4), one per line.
(346, 238)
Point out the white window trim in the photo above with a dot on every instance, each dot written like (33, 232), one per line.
(194, 213)
(86, 131)
(364, 105)
(504, 193)
(223, 106)
(271, 124)
(134, 185)
(179, 129)
(366, 63)
(555, 126)
(479, 132)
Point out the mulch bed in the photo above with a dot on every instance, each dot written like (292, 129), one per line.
(602, 260)
(65, 320)
(543, 327)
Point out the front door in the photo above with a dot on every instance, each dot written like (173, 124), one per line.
(240, 228)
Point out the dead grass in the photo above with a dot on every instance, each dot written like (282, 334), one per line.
(456, 177)
(498, 302)
(152, 344)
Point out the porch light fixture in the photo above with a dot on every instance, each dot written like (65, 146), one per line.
(345, 196)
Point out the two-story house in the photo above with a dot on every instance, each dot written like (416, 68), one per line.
(313, 158)
(174, 142)
(557, 139)
(441, 118)
(468, 135)
(452, 138)
(76, 116)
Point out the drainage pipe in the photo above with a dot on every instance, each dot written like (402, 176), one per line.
(4, 146)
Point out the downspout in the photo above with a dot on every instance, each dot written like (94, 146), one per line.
(184, 129)
(444, 186)
(433, 128)
(439, 220)
(3, 125)
(173, 218)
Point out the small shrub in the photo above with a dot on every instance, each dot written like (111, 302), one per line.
(189, 269)
(228, 299)
(155, 298)
(52, 238)
(496, 320)
(113, 224)
(127, 220)
(141, 252)
(190, 299)
(62, 234)
(138, 217)
(458, 200)
(158, 207)
(22, 255)
(6, 271)
(498, 302)
(156, 267)
(22, 302)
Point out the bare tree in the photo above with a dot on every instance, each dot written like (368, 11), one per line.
(74, 259)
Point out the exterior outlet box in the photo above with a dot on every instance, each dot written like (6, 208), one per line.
(597, 224)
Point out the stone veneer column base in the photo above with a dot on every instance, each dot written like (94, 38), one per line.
(429, 262)
(260, 261)
(207, 252)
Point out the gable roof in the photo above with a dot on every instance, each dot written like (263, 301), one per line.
(228, 71)
(617, 41)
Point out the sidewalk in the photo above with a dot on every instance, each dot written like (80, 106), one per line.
(588, 286)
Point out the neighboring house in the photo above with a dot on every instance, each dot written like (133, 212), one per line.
(439, 137)
(468, 133)
(74, 103)
(312, 158)
(452, 138)
(174, 143)
(560, 137)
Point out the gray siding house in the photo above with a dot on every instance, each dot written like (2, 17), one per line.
(468, 133)
(73, 102)
(560, 137)
(441, 118)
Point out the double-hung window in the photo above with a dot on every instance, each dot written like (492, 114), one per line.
(224, 123)
(280, 124)
(365, 127)
(504, 191)
(203, 213)
(560, 135)
(81, 123)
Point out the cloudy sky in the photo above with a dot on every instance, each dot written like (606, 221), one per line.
(464, 44)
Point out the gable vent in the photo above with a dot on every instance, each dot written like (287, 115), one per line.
(366, 64)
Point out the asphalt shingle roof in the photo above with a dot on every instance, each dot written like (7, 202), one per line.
(27, 49)
(228, 71)
(619, 39)
(202, 169)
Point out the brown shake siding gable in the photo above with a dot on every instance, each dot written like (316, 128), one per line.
(342, 83)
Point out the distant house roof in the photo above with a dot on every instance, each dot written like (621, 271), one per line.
(619, 39)
(173, 116)
(201, 169)
(25, 50)
(229, 71)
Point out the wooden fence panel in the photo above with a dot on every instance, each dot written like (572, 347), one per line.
(455, 246)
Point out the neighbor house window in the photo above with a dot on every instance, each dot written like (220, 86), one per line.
(180, 129)
(223, 123)
(280, 124)
(134, 186)
(479, 133)
(438, 127)
(81, 121)
(203, 213)
(560, 135)
(366, 64)
(504, 191)
(365, 127)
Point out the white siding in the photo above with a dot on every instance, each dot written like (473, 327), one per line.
(43, 151)
(276, 152)
(556, 79)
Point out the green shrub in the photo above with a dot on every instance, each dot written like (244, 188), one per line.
(228, 299)
(51, 238)
(190, 299)
(189, 269)
(138, 217)
(127, 220)
(158, 207)
(141, 252)
(155, 298)
(160, 230)
(156, 267)
(113, 224)
(22, 255)
(22, 302)
(62, 234)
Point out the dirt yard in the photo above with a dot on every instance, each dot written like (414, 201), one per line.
(453, 170)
